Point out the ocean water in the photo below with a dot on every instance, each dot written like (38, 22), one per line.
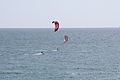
(90, 54)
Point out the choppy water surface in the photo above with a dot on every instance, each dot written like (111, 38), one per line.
(90, 54)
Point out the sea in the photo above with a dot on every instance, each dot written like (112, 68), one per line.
(41, 54)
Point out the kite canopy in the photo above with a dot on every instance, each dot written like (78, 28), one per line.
(65, 38)
(56, 25)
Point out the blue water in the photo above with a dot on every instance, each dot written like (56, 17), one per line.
(90, 54)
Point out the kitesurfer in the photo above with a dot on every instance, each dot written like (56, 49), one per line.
(42, 52)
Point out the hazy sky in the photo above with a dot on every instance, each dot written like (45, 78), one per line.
(70, 13)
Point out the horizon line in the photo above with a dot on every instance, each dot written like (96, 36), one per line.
(60, 27)
(53, 28)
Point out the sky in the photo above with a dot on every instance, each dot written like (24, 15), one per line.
(69, 13)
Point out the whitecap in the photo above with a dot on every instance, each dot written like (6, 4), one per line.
(38, 54)
(54, 50)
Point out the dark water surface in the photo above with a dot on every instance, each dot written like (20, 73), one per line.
(90, 54)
